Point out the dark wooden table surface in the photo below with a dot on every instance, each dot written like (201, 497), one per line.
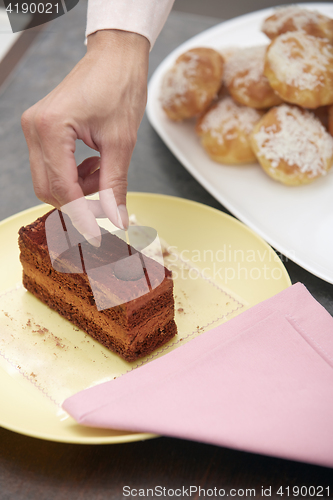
(32, 468)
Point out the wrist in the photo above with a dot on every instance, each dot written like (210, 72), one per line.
(112, 39)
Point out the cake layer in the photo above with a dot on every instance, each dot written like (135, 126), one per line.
(76, 286)
(60, 293)
(112, 249)
(131, 329)
(147, 339)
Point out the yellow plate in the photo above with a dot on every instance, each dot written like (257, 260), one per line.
(220, 269)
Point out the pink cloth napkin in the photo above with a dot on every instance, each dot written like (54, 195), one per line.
(262, 382)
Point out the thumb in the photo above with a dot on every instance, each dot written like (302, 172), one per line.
(113, 184)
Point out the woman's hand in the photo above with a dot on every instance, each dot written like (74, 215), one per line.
(101, 102)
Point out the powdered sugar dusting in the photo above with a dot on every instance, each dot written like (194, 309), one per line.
(245, 66)
(300, 18)
(227, 118)
(299, 139)
(178, 80)
(300, 60)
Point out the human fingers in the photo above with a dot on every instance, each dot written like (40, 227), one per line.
(36, 160)
(88, 172)
(115, 160)
(45, 179)
(58, 146)
(88, 166)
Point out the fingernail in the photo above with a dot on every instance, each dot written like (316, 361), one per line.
(95, 242)
(123, 216)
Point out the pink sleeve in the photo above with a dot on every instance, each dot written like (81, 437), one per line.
(146, 17)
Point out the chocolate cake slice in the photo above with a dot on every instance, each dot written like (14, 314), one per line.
(116, 294)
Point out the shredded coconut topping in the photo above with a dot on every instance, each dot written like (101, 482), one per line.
(245, 66)
(299, 139)
(227, 118)
(178, 80)
(228, 52)
(299, 17)
(300, 60)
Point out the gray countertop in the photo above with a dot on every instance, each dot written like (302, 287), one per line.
(153, 167)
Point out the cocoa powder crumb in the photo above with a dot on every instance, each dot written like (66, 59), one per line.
(42, 331)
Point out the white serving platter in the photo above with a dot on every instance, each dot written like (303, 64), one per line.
(296, 221)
